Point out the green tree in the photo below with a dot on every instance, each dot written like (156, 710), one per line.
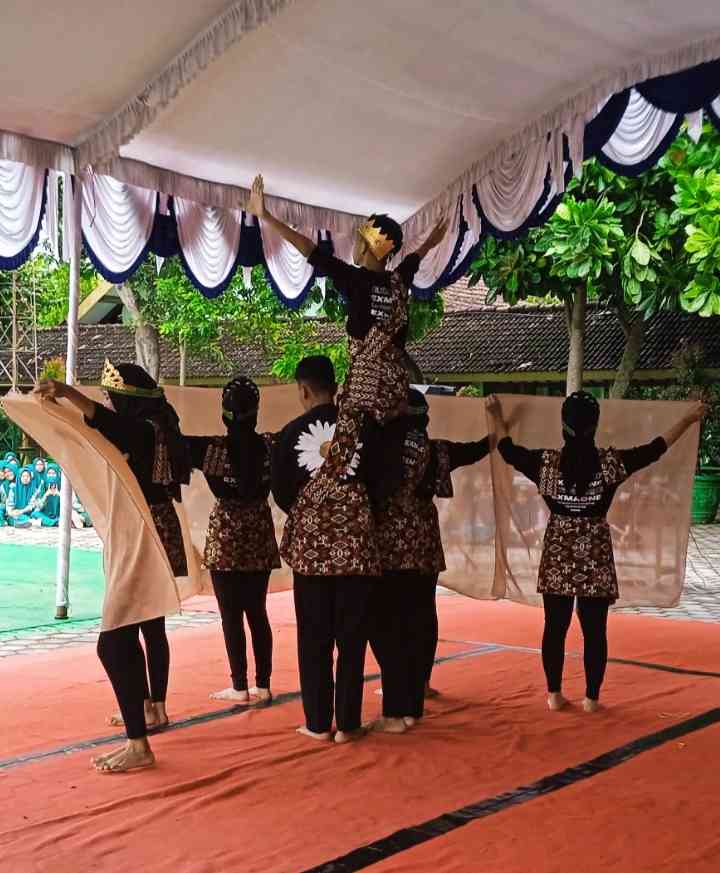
(615, 240)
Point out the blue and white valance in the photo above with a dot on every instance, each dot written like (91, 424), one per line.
(23, 193)
(125, 216)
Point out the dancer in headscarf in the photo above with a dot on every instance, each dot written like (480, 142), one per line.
(240, 550)
(47, 504)
(578, 484)
(145, 428)
(22, 498)
(404, 625)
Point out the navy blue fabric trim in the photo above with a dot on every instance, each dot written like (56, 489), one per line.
(685, 91)
(603, 126)
(446, 277)
(119, 278)
(298, 301)
(210, 292)
(164, 240)
(17, 260)
(637, 169)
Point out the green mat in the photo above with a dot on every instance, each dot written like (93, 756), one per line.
(27, 586)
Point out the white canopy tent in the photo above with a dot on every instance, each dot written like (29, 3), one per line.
(162, 113)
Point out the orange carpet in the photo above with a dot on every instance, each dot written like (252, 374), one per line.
(245, 793)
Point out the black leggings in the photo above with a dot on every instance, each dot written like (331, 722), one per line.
(238, 595)
(403, 638)
(593, 614)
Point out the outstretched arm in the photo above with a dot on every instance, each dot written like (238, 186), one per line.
(437, 234)
(256, 207)
(53, 391)
(686, 422)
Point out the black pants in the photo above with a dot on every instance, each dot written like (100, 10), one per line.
(122, 657)
(239, 595)
(593, 614)
(332, 611)
(403, 637)
(157, 651)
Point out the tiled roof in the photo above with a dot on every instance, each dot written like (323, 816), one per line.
(459, 297)
(521, 340)
(527, 340)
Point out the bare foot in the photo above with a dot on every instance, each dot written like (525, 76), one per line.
(410, 721)
(389, 726)
(306, 732)
(260, 695)
(135, 755)
(231, 694)
(350, 736)
(590, 705)
(98, 759)
(156, 717)
(430, 692)
(556, 702)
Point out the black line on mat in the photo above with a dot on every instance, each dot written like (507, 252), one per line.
(628, 662)
(407, 838)
(205, 718)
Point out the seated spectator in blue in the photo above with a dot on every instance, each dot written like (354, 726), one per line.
(4, 485)
(12, 458)
(40, 465)
(22, 497)
(47, 501)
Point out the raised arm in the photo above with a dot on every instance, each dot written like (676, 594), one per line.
(687, 421)
(256, 207)
(436, 236)
(54, 391)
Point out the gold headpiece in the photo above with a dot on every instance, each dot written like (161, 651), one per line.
(114, 382)
(380, 245)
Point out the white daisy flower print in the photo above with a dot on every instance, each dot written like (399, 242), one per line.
(310, 445)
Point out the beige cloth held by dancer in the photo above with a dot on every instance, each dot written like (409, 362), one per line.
(492, 528)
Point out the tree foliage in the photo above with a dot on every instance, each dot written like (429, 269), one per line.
(621, 238)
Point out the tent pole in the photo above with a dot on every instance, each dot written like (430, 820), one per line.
(62, 593)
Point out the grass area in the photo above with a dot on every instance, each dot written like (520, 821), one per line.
(27, 586)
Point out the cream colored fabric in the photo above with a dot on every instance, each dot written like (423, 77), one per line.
(139, 583)
(649, 518)
(492, 528)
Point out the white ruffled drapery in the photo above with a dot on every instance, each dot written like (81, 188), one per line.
(22, 188)
(640, 132)
(209, 241)
(117, 221)
(289, 270)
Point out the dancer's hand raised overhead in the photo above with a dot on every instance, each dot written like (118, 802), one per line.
(437, 234)
(256, 203)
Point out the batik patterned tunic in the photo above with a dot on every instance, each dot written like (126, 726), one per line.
(577, 558)
(241, 533)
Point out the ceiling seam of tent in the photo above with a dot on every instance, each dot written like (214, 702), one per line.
(244, 16)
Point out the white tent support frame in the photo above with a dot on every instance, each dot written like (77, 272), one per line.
(62, 588)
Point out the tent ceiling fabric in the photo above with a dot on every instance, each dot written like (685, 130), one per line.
(415, 108)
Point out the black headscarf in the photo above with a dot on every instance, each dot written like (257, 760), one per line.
(161, 414)
(579, 459)
(240, 403)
